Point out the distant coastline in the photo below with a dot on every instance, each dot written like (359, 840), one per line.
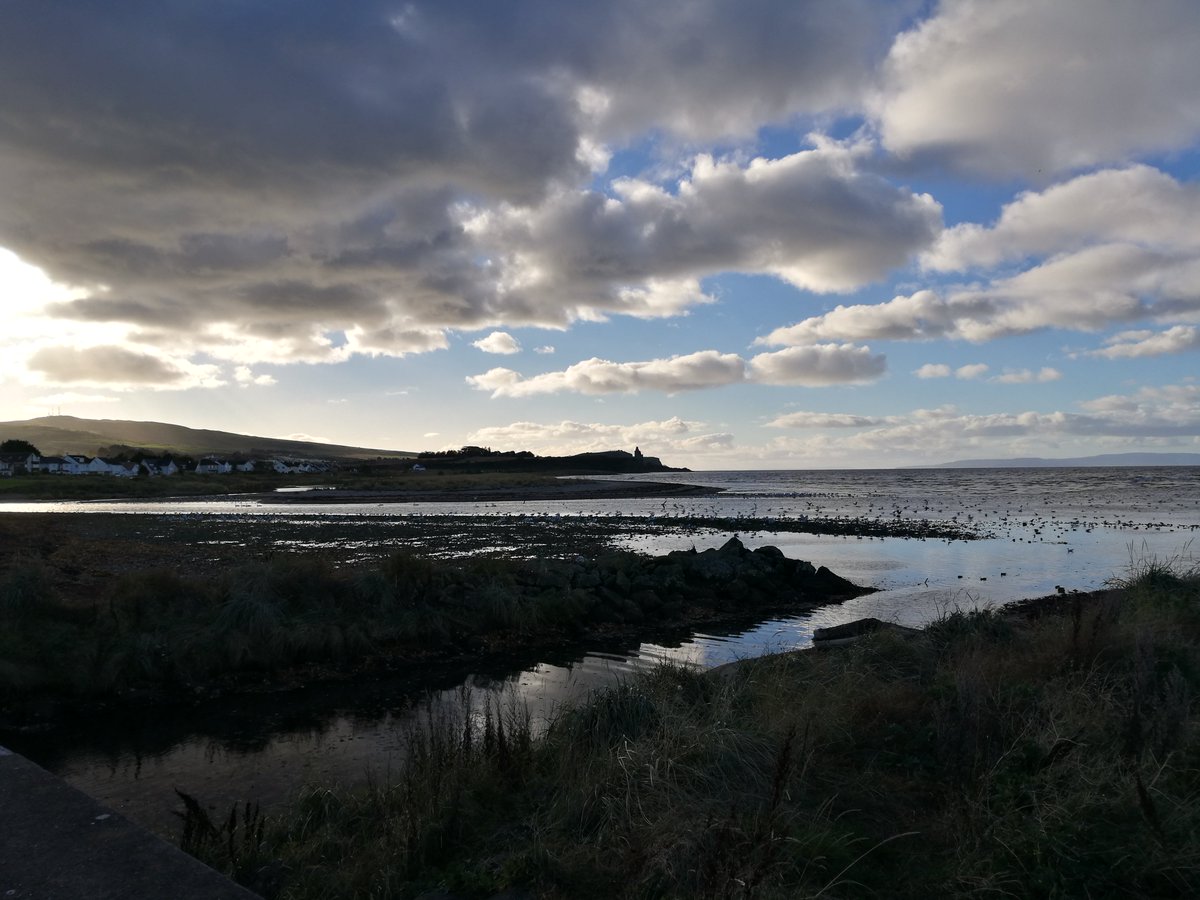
(1101, 460)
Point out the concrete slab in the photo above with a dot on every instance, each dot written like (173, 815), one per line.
(57, 843)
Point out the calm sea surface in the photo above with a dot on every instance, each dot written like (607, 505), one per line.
(1039, 529)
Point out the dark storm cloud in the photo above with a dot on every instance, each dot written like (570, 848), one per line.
(310, 168)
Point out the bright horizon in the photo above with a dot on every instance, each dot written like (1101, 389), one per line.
(740, 236)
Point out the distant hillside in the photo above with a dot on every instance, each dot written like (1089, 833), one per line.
(1105, 459)
(56, 435)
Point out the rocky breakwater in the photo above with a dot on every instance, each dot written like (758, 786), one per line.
(684, 587)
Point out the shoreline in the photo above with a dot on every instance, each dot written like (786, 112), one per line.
(581, 489)
(428, 488)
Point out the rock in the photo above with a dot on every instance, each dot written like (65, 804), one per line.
(837, 635)
(713, 565)
(733, 547)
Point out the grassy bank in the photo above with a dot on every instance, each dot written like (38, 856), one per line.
(166, 634)
(158, 630)
(992, 755)
(68, 487)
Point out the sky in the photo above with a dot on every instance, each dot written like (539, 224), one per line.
(751, 234)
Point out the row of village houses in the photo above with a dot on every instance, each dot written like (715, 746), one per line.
(32, 463)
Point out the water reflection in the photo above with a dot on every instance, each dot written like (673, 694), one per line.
(264, 747)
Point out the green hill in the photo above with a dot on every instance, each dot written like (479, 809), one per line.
(55, 435)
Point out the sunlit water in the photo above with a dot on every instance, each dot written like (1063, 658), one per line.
(1047, 529)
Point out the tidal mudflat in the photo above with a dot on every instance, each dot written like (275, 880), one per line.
(931, 542)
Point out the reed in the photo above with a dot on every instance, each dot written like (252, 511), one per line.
(992, 754)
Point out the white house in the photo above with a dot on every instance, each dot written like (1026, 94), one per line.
(247, 466)
(120, 469)
(97, 466)
(209, 466)
(51, 465)
(162, 465)
(74, 465)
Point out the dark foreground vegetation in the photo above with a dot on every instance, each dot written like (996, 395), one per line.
(191, 484)
(1048, 753)
(159, 635)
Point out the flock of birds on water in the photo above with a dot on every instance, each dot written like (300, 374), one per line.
(1050, 516)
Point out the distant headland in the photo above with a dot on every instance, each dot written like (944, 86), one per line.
(1104, 459)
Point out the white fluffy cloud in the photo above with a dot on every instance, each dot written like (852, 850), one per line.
(498, 342)
(1168, 413)
(1110, 248)
(245, 376)
(805, 419)
(1016, 87)
(970, 371)
(1135, 344)
(1028, 376)
(1138, 205)
(933, 370)
(704, 369)
(814, 219)
(814, 366)
(818, 365)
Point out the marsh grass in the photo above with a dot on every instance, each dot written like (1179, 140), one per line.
(65, 487)
(991, 755)
(162, 631)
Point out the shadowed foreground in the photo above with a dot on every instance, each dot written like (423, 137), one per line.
(160, 636)
(1050, 751)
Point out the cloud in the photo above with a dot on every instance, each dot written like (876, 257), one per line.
(1169, 413)
(1166, 416)
(545, 349)
(924, 315)
(1137, 344)
(1088, 290)
(813, 219)
(971, 371)
(1138, 206)
(814, 366)
(498, 342)
(933, 370)
(824, 420)
(704, 369)
(244, 376)
(1014, 87)
(656, 438)
(119, 367)
(1028, 376)
(818, 366)
(288, 185)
